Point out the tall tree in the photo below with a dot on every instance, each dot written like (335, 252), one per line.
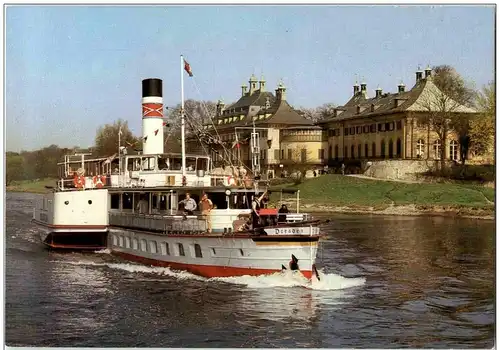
(449, 81)
(106, 140)
(482, 127)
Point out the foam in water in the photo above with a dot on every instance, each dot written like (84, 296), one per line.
(295, 279)
(103, 251)
(278, 279)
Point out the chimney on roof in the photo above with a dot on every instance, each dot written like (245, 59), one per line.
(356, 88)
(378, 92)
(281, 92)
(428, 72)
(401, 88)
(262, 84)
(418, 74)
(243, 90)
(363, 88)
(253, 84)
(219, 108)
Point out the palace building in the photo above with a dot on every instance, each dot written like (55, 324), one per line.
(393, 125)
(386, 126)
(287, 140)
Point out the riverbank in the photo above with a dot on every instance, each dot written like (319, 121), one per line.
(31, 186)
(346, 194)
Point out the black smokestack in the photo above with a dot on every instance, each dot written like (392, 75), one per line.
(152, 87)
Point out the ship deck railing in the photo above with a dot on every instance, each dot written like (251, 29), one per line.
(193, 224)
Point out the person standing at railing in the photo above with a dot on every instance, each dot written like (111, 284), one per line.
(206, 207)
(189, 204)
(143, 206)
(256, 206)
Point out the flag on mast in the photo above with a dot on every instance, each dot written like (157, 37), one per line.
(187, 68)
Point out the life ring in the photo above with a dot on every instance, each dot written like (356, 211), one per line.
(79, 181)
(99, 181)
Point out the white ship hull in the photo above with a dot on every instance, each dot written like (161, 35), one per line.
(216, 255)
(73, 219)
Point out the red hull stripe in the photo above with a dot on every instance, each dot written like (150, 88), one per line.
(90, 227)
(152, 110)
(204, 270)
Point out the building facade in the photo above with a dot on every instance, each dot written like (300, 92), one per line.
(286, 140)
(386, 126)
(394, 126)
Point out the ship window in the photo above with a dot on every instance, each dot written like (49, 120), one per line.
(144, 245)
(121, 241)
(165, 249)
(115, 240)
(181, 249)
(67, 202)
(90, 201)
(135, 244)
(127, 242)
(115, 201)
(153, 247)
(127, 201)
(197, 251)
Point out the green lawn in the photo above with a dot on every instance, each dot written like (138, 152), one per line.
(33, 186)
(338, 190)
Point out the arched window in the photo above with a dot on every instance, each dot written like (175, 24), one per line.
(366, 151)
(330, 155)
(359, 151)
(352, 152)
(382, 149)
(453, 150)
(398, 148)
(420, 148)
(391, 150)
(437, 149)
(344, 156)
(374, 150)
(336, 152)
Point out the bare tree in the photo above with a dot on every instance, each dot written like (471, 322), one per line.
(318, 113)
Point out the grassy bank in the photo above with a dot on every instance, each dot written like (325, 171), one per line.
(32, 186)
(350, 194)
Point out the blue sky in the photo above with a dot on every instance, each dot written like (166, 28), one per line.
(70, 69)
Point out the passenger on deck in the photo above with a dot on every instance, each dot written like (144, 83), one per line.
(143, 206)
(256, 205)
(206, 206)
(282, 213)
(189, 204)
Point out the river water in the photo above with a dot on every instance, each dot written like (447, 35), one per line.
(387, 282)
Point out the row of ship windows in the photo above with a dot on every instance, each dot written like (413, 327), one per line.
(365, 129)
(152, 247)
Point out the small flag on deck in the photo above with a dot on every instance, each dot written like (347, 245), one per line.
(156, 131)
(187, 68)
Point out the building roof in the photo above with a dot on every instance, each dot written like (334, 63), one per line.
(423, 97)
(283, 113)
(258, 98)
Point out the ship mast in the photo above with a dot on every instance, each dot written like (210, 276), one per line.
(183, 144)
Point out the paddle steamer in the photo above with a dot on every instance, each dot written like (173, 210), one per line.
(130, 205)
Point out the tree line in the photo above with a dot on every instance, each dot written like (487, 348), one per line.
(476, 132)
